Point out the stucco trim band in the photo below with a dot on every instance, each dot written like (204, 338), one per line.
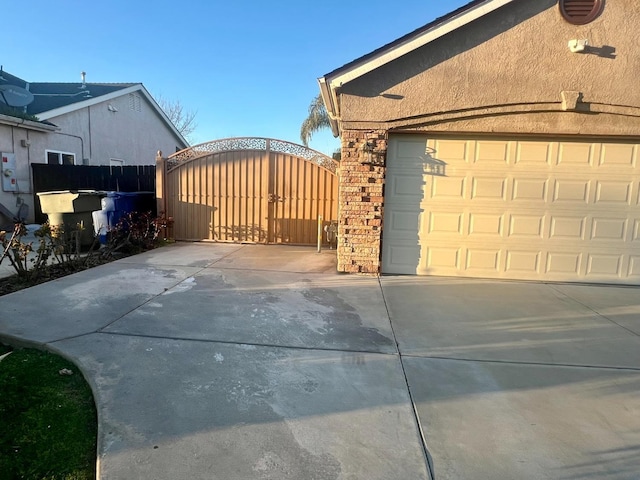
(493, 111)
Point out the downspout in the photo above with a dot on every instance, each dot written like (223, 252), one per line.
(90, 137)
(75, 136)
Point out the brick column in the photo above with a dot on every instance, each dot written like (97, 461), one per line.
(361, 202)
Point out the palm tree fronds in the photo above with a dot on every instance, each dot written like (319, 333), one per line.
(317, 119)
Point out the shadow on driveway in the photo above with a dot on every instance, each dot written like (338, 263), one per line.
(231, 361)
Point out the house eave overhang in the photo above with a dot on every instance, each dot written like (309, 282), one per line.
(56, 112)
(110, 96)
(27, 124)
(331, 83)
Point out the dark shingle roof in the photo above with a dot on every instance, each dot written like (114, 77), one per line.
(7, 78)
(49, 96)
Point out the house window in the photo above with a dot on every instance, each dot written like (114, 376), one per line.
(580, 12)
(60, 158)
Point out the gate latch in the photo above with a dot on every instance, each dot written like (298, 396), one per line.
(275, 198)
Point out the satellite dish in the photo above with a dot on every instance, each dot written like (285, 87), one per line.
(15, 96)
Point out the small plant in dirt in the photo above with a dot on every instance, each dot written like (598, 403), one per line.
(137, 232)
(56, 248)
(56, 252)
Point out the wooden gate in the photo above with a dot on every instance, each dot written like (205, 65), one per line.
(254, 190)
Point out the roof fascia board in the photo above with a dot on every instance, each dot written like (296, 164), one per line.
(420, 40)
(327, 98)
(27, 124)
(330, 83)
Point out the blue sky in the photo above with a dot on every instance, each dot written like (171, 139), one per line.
(248, 67)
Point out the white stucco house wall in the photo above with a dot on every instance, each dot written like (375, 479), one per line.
(78, 124)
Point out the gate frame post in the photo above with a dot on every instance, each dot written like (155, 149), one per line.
(161, 190)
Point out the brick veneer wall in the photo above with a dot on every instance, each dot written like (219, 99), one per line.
(361, 202)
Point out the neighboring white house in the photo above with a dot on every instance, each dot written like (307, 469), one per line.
(77, 124)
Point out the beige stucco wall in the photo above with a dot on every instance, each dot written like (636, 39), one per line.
(505, 73)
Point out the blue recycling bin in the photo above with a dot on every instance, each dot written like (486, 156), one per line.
(116, 205)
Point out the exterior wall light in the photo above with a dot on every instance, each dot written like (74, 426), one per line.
(578, 46)
(373, 157)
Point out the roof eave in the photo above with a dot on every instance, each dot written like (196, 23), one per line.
(72, 107)
(331, 106)
(139, 87)
(331, 82)
(27, 124)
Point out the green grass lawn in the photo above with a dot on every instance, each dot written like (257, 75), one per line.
(48, 423)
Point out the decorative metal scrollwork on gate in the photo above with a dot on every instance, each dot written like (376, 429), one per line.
(251, 143)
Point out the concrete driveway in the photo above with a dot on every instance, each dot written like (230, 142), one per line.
(216, 361)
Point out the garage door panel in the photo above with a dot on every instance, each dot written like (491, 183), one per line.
(448, 188)
(618, 156)
(614, 193)
(404, 258)
(485, 224)
(526, 226)
(533, 210)
(445, 223)
(608, 229)
(451, 150)
(634, 267)
(488, 188)
(530, 190)
(563, 263)
(568, 227)
(576, 154)
(442, 258)
(406, 188)
(523, 262)
(482, 260)
(533, 154)
(571, 191)
(492, 153)
(410, 151)
(604, 265)
(403, 222)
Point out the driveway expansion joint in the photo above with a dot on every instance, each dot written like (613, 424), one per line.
(240, 247)
(273, 270)
(511, 362)
(228, 342)
(595, 311)
(146, 301)
(423, 440)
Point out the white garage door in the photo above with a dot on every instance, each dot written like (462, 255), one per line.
(512, 208)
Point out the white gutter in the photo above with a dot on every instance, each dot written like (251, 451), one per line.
(26, 124)
(330, 85)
